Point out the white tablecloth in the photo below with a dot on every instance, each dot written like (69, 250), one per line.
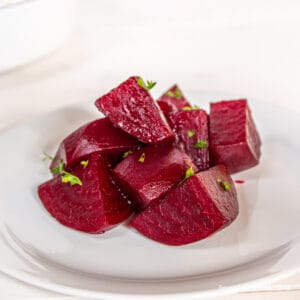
(249, 48)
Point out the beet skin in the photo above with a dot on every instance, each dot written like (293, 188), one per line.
(191, 211)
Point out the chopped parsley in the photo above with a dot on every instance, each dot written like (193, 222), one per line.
(187, 108)
(176, 94)
(66, 177)
(127, 153)
(188, 173)
(200, 144)
(47, 157)
(84, 163)
(147, 86)
(142, 158)
(190, 133)
(224, 184)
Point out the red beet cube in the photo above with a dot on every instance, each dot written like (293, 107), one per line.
(192, 211)
(97, 136)
(172, 100)
(131, 108)
(149, 173)
(234, 140)
(95, 206)
(191, 135)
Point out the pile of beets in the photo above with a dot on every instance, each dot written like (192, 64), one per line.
(164, 166)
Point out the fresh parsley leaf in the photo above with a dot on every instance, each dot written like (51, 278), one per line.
(195, 107)
(188, 173)
(142, 158)
(58, 169)
(190, 133)
(150, 84)
(201, 144)
(67, 177)
(84, 163)
(127, 153)
(176, 94)
(224, 184)
(47, 157)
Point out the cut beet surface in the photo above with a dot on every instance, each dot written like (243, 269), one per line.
(192, 211)
(97, 136)
(151, 172)
(234, 139)
(94, 207)
(131, 108)
(172, 100)
(191, 135)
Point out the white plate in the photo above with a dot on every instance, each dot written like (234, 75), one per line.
(260, 246)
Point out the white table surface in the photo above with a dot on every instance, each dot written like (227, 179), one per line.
(249, 48)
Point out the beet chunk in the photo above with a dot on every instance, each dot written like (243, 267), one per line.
(234, 139)
(96, 136)
(172, 100)
(94, 207)
(191, 135)
(149, 173)
(192, 211)
(131, 108)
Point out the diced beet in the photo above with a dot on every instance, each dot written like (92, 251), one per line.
(94, 207)
(191, 135)
(234, 140)
(172, 100)
(97, 136)
(131, 108)
(149, 173)
(192, 211)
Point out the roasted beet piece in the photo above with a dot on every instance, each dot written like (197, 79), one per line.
(97, 136)
(94, 207)
(151, 172)
(131, 108)
(203, 204)
(191, 135)
(172, 100)
(234, 140)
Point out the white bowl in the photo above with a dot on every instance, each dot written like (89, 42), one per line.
(31, 29)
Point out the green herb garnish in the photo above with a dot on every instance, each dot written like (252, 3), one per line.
(147, 86)
(127, 153)
(84, 163)
(47, 157)
(224, 184)
(190, 133)
(142, 158)
(188, 173)
(176, 94)
(187, 108)
(201, 144)
(66, 177)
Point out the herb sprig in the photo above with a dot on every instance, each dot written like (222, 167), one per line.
(66, 177)
(201, 144)
(147, 86)
(176, 94)
(224, 184)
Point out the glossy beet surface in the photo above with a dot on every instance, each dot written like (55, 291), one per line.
(94, 207)
(191, 211)
(234, 139)
(191, 135)
(151, 172)
(172, 100)
(131, 108)
(96, 136)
